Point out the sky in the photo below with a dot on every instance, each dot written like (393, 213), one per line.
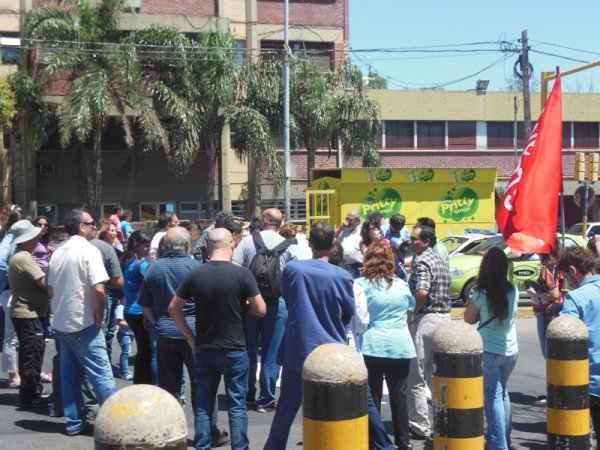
(565, 29)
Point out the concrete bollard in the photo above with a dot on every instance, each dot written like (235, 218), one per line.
(141, 416)
(457, 388)
(334, 399)
(568, 378)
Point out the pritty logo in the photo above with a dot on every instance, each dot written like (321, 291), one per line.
(459, 204)
(387, 201)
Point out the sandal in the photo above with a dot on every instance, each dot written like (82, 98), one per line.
(46, 377)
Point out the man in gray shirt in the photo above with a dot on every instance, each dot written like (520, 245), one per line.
(268, 330)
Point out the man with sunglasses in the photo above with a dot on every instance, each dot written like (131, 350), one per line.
(76, 278)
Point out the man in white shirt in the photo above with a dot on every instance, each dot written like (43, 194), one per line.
(76, 277)
(348, 235)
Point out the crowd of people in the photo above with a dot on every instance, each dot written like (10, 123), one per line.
(266, 294)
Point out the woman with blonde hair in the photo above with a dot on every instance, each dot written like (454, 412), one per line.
(387, 345)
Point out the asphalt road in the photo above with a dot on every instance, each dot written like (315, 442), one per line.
(21, 429)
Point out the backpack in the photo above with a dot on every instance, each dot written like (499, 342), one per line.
(266, 268)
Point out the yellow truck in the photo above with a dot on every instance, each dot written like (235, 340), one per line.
(457, 199)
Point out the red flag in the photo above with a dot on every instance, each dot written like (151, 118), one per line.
(528, 212)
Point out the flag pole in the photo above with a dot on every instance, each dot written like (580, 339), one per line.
(562, 216)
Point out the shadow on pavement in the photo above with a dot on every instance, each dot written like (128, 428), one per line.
(534, 445)
(42, 426)
(522, 399)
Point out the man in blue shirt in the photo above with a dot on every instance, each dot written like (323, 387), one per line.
(158, 288)
(577, 265)
(320, 302)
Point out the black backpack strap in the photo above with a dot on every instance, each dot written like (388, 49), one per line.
(281, 247)
(258, 241)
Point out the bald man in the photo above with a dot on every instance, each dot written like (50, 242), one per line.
(267, 331)
(223, 294)
(158, 288)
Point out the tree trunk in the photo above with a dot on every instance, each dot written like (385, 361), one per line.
(131, 183)
(210, 182)
(97, 175)
(6, 171)
(311, 157)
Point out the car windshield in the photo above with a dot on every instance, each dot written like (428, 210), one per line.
(479, 250)
(453, 242)
(575, 229)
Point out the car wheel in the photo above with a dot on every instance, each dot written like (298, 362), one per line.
(466, 292)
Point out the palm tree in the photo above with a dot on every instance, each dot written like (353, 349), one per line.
(82, 42)
(330, 106)
(7, 112)
(204, 74)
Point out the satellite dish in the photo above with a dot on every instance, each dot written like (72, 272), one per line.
(578, 196)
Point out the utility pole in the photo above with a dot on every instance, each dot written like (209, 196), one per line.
(286, 113)
(526, 75)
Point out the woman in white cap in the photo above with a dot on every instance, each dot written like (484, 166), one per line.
(28, 308)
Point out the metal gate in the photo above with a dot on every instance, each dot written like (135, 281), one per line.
(321, 205)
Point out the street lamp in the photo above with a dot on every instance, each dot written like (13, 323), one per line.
(481, 86)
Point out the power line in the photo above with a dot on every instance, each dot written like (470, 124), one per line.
(559, 56)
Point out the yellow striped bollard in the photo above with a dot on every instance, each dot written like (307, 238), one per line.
(141, 416)
(568, 378)
(457, 388)
(334, 399)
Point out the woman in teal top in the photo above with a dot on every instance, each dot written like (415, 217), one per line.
(387, 345)
(494, 306)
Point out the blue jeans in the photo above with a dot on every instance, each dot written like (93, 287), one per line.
(125, 339)
(265, 333)
(110, 321)
(83, 353)
(496, 370)
(542, 325)
(290, 401)
(210, 364)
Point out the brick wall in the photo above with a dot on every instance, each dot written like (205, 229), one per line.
(323, 13)
(199, 7)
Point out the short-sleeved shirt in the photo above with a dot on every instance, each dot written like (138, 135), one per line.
(76, 266)
(159, 287)
(109, 258)
(7, 249)
(133, 276)
(320, 302)
(219, 290)
(126, 228)
(583, 303)
(350, 242)
(246, 250)
(431, 274)
(388, 335)
(29, 300)
(498, 338)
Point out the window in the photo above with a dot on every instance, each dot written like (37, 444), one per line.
(461, 135)
(399, 134)
(431, 135)
(240, 47)
(238, 208)
(9, 49)
(500, 135)
(566, 135)
(49, 210)
(321, 53)
(585, 134)
(297, 208)
(189, 211)
(151, 211)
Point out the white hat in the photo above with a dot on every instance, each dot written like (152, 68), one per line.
(24, 231)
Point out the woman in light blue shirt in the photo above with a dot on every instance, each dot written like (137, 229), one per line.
(494, 305)
(386, 345)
